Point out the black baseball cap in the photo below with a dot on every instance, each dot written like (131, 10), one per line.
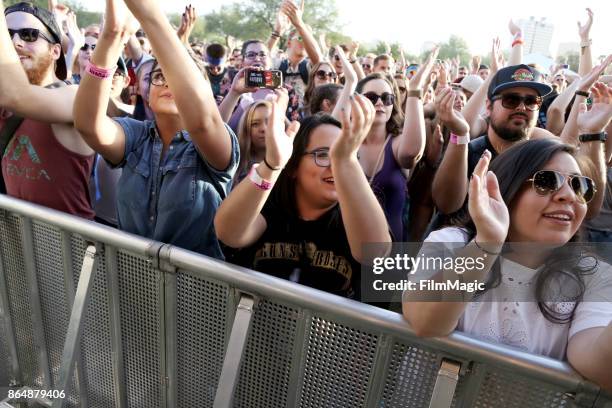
(121, 67)
(517, 76)
(45, 17)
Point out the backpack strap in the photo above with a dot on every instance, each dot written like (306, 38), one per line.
(303, 69)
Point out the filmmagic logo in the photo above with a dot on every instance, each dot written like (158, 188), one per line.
(431, 285)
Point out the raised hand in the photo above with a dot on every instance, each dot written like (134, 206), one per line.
(293, 12)
(486, 205)
(74, 32)
(118, 19)
(279, 142)
(349, 73)
(476, 63)
(514, 29)
(353, 49)
(355, 128)
(282, 22)
(419, 79)
(589, 79)
(596, 119)
(584, 30)
(188, 20)
(497, 58)
(453, 119)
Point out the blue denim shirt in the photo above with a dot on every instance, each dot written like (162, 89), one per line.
(171, 199)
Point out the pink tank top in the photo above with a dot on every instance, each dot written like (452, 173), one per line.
(37, 168)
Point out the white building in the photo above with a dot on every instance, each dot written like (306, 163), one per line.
(568, 47)
(537, 35)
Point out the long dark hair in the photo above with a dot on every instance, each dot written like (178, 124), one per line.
(396, 121)
(283, 193)
(513, 168)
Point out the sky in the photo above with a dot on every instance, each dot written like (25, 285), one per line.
(415, 22)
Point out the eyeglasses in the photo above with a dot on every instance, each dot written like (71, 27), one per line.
(513, 101)
(401, 89)
(158, 78)
(387, 98)
(253, 55)
(322, 75)
(550, 181)
(29, 35)
(321, 157)
(88, 46)
(366, 66)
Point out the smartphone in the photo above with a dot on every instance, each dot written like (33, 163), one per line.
(263, 79)
(411, 70)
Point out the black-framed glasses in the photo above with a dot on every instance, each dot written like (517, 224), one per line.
(30, 35)
(513, 101)
(387, 98)
(322, 75)
(87, 47)
(253, 55)
(550, 181)
(157, 78)
(321, 156)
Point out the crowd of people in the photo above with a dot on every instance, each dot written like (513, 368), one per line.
(141, 130)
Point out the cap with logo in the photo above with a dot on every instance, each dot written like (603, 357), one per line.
(47, 19)
(516, 76)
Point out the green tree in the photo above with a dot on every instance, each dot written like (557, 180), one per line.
(571, 58)
(455, 46)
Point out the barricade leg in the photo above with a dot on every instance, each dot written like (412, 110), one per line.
(234, 353)
(446, 382)
(75, 326)
(6, 325)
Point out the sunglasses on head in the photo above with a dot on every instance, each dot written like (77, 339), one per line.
(88, 46)
(513, 101)
(550, 181)
(387, 98)
(29, 35)
(324, 75)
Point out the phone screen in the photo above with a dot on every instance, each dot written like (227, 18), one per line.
(264, 79)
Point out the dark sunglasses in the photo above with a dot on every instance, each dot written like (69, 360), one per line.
(88, 46)
(513, 101)
(29, 35)
(366, 66)
(550, 181)
(387, 98)
(324, 74)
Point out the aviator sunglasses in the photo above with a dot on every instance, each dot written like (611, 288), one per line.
(550, 181)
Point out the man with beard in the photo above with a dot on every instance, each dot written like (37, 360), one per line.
(46, 161)
(514, 97)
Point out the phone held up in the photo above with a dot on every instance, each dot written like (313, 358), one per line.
(271, 79)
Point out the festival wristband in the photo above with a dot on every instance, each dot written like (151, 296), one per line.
(582, 93)
(99, 72)
(259, 181)
(459, 140)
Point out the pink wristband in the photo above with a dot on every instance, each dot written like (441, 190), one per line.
(259, 181)
(98, 72)
(454, 139)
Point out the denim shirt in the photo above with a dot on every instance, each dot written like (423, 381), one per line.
(171, 199)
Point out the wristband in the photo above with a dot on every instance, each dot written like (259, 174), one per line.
(259, 181)
(353, 61)
(414, 93)
(275, 34)
(594, 137)
(582, 93)
(459, 140)
(484, 250)
(517, 42)
(99, 72)
(586, 43)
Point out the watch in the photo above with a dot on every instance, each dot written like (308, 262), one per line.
(594, 137)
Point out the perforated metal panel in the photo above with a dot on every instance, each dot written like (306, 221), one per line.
(338, 363)
(503, 389)
(4, 358)
(54, 306)
(201, 323)
(19, 298)
(266, 368)
(411, 377)
(96, 349)
(140, 302)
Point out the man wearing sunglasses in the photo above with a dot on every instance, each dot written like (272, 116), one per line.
(46, 161)
(514, 98)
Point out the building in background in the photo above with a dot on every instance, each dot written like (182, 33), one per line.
(568, 48)
(537, 35)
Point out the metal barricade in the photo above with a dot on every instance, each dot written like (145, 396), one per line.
(120, 321)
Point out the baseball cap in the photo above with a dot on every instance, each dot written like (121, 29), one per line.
(517, 76)
(121, 67)
(471, 83)
(47, 19)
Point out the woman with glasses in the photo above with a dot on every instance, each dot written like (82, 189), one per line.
(176, 168)
(305, 211)
(393, 144)
(542, 293)
(321, 74)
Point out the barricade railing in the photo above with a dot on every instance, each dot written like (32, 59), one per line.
(115, 320)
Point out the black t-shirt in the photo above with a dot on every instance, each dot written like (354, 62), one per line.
(313, 253)
(476, 148)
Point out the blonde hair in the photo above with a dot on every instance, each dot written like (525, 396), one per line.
(244, 135)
